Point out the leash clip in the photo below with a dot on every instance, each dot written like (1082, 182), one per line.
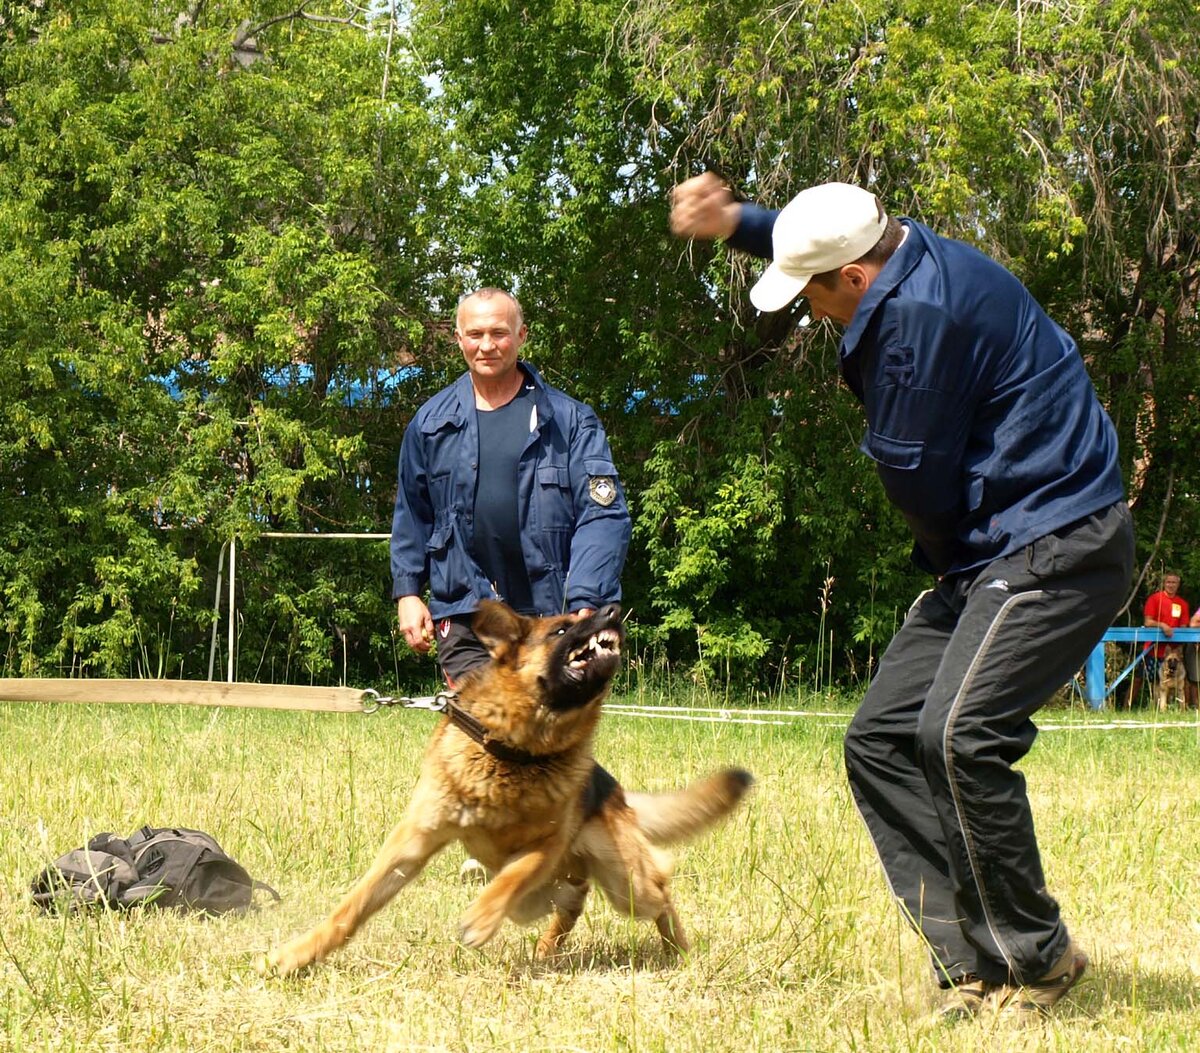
(434, 703)
(373, 701)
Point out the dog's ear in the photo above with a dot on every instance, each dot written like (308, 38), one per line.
(499, 628)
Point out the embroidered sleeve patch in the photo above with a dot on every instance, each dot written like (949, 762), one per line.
(603, 489)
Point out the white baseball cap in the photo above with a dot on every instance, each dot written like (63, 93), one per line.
(820, 229)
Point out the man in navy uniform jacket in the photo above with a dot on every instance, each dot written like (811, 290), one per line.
(988, 437)
(507, 490)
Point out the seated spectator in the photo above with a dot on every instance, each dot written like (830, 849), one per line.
(1168, 611)
(1191, 666)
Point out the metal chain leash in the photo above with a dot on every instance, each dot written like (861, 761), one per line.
(373, 701)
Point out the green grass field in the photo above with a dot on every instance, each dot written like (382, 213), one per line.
(797, 945)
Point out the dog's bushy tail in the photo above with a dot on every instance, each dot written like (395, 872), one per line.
(666, 818)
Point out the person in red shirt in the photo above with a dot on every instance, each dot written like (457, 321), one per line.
(1165, 610)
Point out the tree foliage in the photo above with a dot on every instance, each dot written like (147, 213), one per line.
(1060, 138)
(232, 234)
(216, 254)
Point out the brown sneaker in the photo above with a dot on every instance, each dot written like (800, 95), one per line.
(1041, 996)
(967, 996)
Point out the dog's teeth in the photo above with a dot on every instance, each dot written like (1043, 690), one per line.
(605, 640)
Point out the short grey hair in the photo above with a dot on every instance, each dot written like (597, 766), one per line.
(486, 293)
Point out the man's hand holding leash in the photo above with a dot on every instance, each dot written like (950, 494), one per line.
(415, 623)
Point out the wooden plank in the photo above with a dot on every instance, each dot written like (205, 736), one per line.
(183, 692)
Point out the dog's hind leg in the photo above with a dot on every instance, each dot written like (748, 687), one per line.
(671, 929)
(403, 856)
(635, 876)
(568, 906)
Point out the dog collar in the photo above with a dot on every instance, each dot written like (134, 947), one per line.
(478, 732)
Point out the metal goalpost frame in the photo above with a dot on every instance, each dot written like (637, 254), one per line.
(231, 544)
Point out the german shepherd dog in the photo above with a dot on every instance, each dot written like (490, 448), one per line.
(515, 782)
(1170, 686)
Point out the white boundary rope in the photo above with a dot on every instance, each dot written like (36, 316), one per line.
(719, 715)
(630, 707)
(1123, 725)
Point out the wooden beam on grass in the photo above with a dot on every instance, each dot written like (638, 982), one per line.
(182, 692)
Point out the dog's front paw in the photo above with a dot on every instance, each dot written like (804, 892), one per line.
(285, 960)
(264, 966)
(480, 923)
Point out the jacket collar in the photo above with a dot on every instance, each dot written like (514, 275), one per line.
(893, 273)
(465, 392)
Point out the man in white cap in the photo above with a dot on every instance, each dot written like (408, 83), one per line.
(988, 437)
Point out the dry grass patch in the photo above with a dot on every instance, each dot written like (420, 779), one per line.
(797, 946)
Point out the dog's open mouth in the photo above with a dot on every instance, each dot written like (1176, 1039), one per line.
(586, 657)
(599, 654)
(605, 644)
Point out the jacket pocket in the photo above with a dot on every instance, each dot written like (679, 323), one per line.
(599, 466)
(449, 579)
(439, 492)
(439, 539)
(554, 475)
(436, 422)
(902, 454)
(909, 479)
(555, 507)
(442, 436)
(556, 547)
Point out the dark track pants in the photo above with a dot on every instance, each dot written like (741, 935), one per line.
(459, 649)
(930, 752)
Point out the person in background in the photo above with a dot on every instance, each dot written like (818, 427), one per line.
(988, 437)
(1167, 611)
(507, 490)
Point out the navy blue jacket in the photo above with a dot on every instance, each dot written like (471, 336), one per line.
(981, 419)
(575, 524)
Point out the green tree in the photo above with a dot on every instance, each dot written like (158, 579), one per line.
(218, 235)
(731, 431)
(232, 234)
(1059, 138)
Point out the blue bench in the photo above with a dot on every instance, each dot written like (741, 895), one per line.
(1096, 689)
